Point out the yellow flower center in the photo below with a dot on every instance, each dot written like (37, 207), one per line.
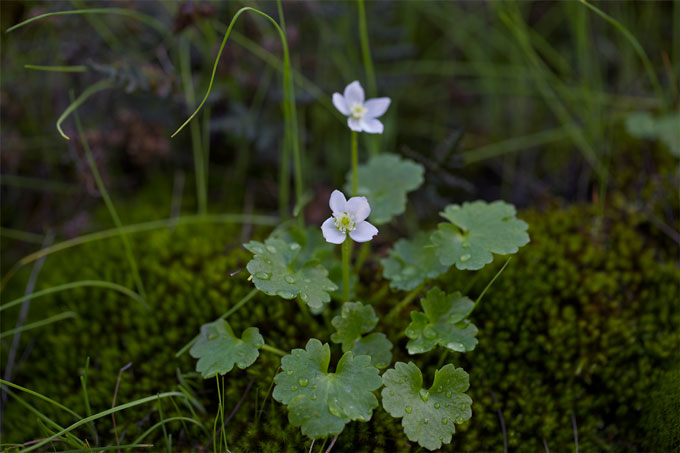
(344, 223)
(357, 111)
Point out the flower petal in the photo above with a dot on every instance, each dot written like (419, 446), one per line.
(358, 208)
(363, 232)
(371, 125)
(354, 124)
(338, 202)
(340, 104)
(376, 107)
(354, 94)
(330, 233)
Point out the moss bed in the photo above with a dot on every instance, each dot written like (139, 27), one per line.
(582, 328)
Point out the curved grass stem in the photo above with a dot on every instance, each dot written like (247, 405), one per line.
(89, 91)
(289, 111)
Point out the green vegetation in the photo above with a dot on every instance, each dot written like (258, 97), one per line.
(559, 336)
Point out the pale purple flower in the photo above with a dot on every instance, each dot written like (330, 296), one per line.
(361, 115)
(349, 217)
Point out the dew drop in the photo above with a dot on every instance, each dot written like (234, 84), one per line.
(297, 355)
(293, 388)
(426, 421)
(437, 405)
(410, 270)
(391, 393)
(408, 409)
(424, 395)
(294, 246)
(314, 387)
(465, 257)
(449, 394)
(257, 249)
(466, 245)
(289, 373)
(271, 249)
(445, 421)
(430, 333)
(263, 275)
(289, 279)
(303, 382)
(285, 294)
(313, 397)
(381, 365)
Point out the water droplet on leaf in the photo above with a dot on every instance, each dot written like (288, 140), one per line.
(263, 275)
(289, 279)
(445, 421)
(424, 395)
(449, 394)
(293, 388)
(437, 405)
(465, 257)
(303, 382)
(271, 249)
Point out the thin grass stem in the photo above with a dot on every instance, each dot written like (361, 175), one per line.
(112, 210)
(73, 285)
(42, 322)
(98, 415)
(56, 68)
(346, 257)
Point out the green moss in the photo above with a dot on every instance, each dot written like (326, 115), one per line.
(662, 414)
(582, 322)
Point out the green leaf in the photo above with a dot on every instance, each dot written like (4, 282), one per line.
(411, 262)
(218, 349)
(375, 345)
(665, 128)
(477, 230)
(275, 270)
(428, 415)
(442, 323)
(321, 402)
(384, 181)
(354, 320)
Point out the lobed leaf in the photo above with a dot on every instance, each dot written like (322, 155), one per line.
(428, 416)
(442, 323)
(321, 403)
(411, 262)
(477, 231)
(276, 270)
(356, 319)
(218, 349)
(384, 181)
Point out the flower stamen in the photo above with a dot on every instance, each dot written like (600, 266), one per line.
(344, 222)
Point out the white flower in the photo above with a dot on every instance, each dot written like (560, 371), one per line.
(362, 115)
(348, 217)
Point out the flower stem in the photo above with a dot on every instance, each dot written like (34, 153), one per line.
(274, 350)
(404, 302)
(366, 49)
(346, 255)
(355, 163)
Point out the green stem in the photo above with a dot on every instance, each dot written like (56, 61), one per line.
(189, 94)
(112, 210)
(346, 256)
(404, 302)
(488, 285)
(355, 163)
(42, 322)
(366, 50)
(89, 91)
(273, 350)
